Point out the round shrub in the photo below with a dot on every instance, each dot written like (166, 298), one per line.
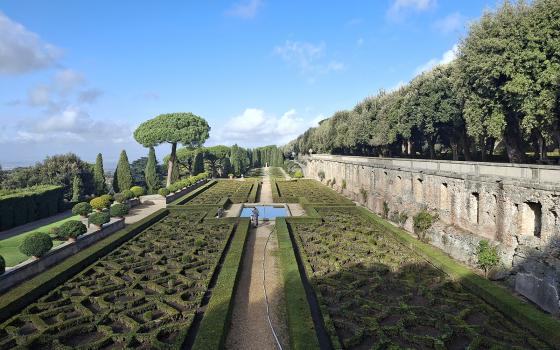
(107, 197)
(137, 190)
(99, 218)
(71, 229)
(128, 194)
(298, 174)
(83, 209)
(36, 244)
(118, 210)
(100, 203)
(119, 198)
(163, 192)
(2, 265)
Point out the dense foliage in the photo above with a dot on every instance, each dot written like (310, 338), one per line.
(99, 218)
(77, 186)
(99, 176)
(151, 173)
(118, 210)
(138, 191)
(497, 100)
(36, 244)
(123, 175)
(100, 203)
(185, 128)
(82, 209)
(71, 229)
(487, 255)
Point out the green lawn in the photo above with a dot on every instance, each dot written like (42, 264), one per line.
(9, 248)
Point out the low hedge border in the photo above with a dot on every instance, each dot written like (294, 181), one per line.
(27, 292)
(215, 322)
(254, 192)
(527, 315)
(301, 328)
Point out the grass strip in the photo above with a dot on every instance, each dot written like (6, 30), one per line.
(19, 297)
(300, 323)
(525, 314)
(215, 322)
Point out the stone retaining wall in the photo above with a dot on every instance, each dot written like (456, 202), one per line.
(517, 206)
(174, 196)
(26, 270)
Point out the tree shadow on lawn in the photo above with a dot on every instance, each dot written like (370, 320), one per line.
(413, 306)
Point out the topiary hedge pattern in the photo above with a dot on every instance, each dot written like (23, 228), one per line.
(118, 210)
(236, 191)
(98, 219)
(36, 244)
(144, 294)
(82, 209)
(71, 229)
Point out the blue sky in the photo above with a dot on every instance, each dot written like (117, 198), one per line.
(80, 76)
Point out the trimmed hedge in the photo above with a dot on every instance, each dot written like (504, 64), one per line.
(24, 294)
(82, 209)
(541, 324)
(19, 207)
(71, 229)
(99, 219)
(300, 323)
(138, 191)
(215, 322)
(36, 244)
(100, 203)
(118, 210)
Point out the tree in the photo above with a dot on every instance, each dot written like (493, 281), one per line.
(151, 173)
(123, 176)
(215, 159)
(137, 169)
(488, 256)
(99, 176)
(77, 185)
(185, 128)
(198, 166)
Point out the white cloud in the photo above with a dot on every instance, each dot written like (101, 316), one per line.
(72, 124)
(245, 9)
(39, 96)
(401, 8)
(308, 58)
(22, 51)
(451, 23)
(255, 127)
(68, 79)
(447, 57)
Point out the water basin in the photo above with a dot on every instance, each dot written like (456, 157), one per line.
(265, 211)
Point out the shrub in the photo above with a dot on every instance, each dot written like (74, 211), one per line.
(99, 218)
(321, 175)
(422, 222)
(488, 257)
(230, 175)
(343, 184)
(119, 210)
(119, 198)
(128, 194)
(100, 203)
(82, 209)
(138, 191)
(298, 174)
(2, 265)
(364, 194)
(107, 197)
(36, 244)
(399, 218)
(385, 210)
(163, 192)
(71, 229)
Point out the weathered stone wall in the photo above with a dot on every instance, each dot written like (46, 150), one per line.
(515, 206)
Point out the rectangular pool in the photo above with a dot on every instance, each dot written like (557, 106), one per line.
(265, 211)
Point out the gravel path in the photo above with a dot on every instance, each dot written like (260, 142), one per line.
(249, 326)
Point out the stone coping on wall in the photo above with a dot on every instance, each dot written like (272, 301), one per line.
(32, 267)
(535, 173)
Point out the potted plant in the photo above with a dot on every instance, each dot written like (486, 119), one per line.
(98, 219)
(118, 210)
(137, 191)
(82, 209)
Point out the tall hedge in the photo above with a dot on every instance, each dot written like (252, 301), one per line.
(29, 204)
(99, 176)
(123, 175)
(150, 173)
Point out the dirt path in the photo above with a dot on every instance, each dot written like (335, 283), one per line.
(249, 326)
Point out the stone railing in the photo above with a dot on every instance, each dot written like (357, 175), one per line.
(542, 174)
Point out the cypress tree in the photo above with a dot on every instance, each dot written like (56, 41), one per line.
(99, 176)
(150, 173)
(77, 186)
(123, 174)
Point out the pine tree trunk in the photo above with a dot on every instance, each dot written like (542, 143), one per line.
(171, 163)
